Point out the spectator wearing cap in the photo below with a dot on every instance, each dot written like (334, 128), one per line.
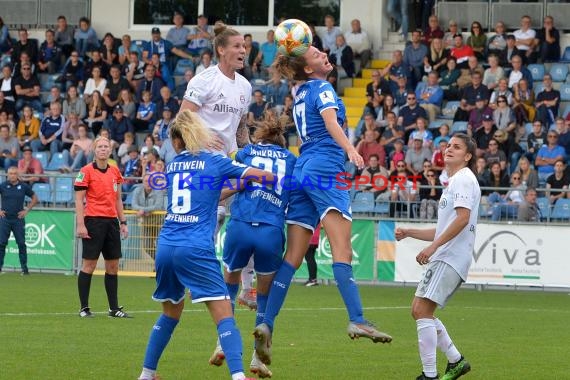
(162, 127)
(478, 114)
(159, 45)
(114, 86)
(30, 169)
(118, 125)
(483, 135)
(461, 52)
(200, 38)
(414, 55)
(85, 37)
(8, 148)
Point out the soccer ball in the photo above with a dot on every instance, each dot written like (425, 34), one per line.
(293, 37)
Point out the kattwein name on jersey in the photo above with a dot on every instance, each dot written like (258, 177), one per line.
(184, 166)
(224, 108)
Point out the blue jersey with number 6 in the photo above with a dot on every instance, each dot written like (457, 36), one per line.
(312, 98)
(265, 203)
(195, 182)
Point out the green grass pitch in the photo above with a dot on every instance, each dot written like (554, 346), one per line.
(504, 334)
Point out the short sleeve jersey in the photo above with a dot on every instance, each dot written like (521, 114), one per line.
(265, 203)
(312, 98)
(13, 197)
(222, 101)
(463, 191)
(101, 189)
(195, 182)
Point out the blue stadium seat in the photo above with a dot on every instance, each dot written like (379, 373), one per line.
(363, 202)
(43, 191)
(47, 81)
(448, 111)
(382, 208)
(64, 190)
(559, 72)
(537, 71)
(565, 56)
(528, 129)
(58, 161)
(182, 65)
(458, 126)
(565, 92)
(437, 123)
(561, 209)
(566, 111)
(538, 87)
(544, 206)
(43, 157)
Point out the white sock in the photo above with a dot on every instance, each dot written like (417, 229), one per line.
(445, 344)
(247, 276)
(147, 374)
(427, 342)
(238, 376)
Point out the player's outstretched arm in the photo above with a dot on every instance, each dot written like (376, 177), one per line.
(336, 132)
(427, 234)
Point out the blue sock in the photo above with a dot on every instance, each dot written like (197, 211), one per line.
(261, 306)
(230, 340)
(233, 290)
(159, 338)
(278, 292)
(349, 291)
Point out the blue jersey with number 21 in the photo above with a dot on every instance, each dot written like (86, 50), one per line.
(312, 98)
(195, 182)
(264, 203)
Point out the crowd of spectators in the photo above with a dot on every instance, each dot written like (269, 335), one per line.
(496, 102)
(124, 88)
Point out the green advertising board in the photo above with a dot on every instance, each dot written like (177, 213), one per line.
(50, 239)
(363, 250)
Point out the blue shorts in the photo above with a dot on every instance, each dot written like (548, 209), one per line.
(264, 241)
(316, 192)
(178, 268)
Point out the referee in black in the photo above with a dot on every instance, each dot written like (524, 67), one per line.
(13, 192)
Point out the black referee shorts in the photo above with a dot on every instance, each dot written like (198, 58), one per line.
(105, 238)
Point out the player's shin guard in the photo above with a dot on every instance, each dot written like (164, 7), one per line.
(159, 338)
(261, 306)
(230, 340)
(278, 292)
(349, 291)
(233, 291)
(427, 343)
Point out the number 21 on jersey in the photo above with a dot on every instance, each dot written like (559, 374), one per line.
(277, 166)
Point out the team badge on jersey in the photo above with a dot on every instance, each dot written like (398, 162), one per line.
(327, 97)
(242, 98)
(80, 177)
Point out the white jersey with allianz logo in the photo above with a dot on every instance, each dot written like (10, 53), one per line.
(222, 101)
(463, 191)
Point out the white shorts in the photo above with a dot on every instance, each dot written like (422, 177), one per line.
(438, 283)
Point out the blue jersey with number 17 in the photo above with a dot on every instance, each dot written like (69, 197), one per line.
(312, 98)
(195, 182)
(265, 203)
